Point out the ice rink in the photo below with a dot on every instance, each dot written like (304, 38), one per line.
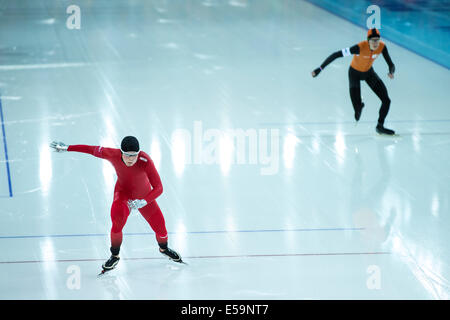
(271, 190)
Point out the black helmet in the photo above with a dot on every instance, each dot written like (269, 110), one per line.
(129, 143)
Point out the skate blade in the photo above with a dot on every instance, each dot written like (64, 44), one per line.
(104, 271)
(177, 261)
(395, 135)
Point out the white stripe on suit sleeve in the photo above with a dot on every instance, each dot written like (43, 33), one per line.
(346, 52)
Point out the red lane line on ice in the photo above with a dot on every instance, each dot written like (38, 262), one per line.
(210, 257)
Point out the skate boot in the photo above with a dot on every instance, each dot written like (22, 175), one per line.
(111, 263)
(382, 130)
(358, 112)
(172, 254)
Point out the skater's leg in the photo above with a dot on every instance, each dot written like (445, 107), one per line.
(153, 215)
(119, 216)
(377, 85)
(355, 92)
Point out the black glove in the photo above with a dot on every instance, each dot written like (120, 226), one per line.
(392, 69)
(316, 72)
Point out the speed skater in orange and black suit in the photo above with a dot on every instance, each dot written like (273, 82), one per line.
(364, 54)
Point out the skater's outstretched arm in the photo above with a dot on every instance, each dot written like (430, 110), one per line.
(338, 54)
(387, 57)
(96, 151)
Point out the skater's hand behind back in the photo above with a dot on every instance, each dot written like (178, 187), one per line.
(391, 75)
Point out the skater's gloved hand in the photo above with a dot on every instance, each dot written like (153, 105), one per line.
(391, 71)
(58, 146)
(136, 204)
(316, 72)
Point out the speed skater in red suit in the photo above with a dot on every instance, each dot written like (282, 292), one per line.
(137, 187)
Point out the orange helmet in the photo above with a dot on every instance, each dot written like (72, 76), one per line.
(373, 33)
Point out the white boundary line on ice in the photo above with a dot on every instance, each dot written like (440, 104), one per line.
(42, 66)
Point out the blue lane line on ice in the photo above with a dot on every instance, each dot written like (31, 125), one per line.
(6, 150)
(191, 232)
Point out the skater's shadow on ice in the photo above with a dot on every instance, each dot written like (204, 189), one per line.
(110, 284)
(160, 279)
(368, 196)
